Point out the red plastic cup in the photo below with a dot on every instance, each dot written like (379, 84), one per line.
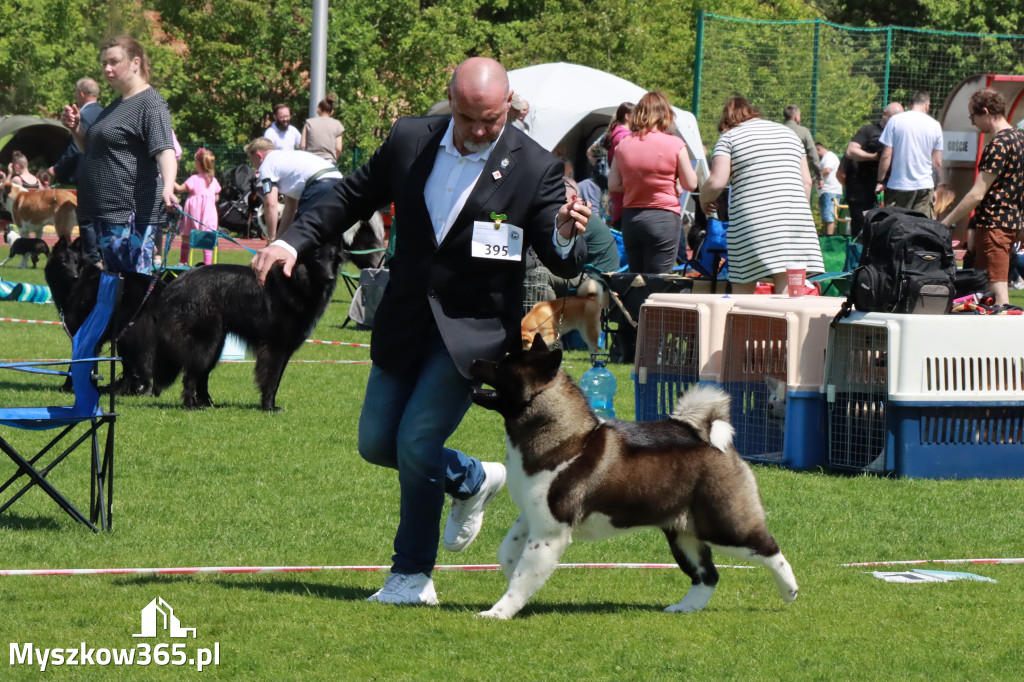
(796, 277)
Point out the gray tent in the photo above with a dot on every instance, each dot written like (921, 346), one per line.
(42, 140)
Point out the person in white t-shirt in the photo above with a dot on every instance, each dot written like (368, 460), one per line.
(301, 178)
(284, 135)
(912, 147)
(830, 190)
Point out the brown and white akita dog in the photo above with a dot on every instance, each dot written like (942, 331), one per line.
(571, 473)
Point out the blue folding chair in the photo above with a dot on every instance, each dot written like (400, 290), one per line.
(86, 411)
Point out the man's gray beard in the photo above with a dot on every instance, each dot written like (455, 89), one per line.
(281, 126)
(477, 147)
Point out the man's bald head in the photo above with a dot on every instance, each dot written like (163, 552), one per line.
(892, 109)
(478, 75)
(479, 97)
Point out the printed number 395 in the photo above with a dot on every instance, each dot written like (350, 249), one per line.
(496, 249)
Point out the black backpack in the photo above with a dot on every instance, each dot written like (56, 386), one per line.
(907, 265)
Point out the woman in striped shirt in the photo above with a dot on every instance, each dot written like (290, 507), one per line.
(770, 222)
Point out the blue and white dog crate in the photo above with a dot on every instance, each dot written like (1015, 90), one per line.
(927, 396)
(773, 367)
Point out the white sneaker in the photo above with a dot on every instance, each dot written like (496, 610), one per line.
(399, 588)
(467, 516)
(1018, 285)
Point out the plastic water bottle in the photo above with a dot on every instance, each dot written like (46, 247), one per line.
(598, 385)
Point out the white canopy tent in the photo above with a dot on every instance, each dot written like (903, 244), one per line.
(569, 102)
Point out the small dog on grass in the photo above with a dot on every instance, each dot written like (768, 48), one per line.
(26, 247)
(573, 474)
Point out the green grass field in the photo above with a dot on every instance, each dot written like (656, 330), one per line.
(232, 486)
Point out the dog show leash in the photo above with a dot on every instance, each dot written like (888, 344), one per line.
(565, 297)
(200, 223)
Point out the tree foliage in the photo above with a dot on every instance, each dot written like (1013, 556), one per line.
(222, 64)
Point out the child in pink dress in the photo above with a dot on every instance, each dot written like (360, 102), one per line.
(201, 204)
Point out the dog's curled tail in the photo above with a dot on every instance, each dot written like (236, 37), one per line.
(706, 409)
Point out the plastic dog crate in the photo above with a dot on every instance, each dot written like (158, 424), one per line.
(773, 367)
(536, 288)
(627, 292)
(927, 396)
(679, 344)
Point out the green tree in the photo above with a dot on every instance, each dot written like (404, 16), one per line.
(47, 45)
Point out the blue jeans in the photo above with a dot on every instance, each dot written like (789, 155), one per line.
(123, 247)
(826, 206)
(404, 424)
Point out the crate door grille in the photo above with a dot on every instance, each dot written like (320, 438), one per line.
(858, 379)
(755, 349)
(668, 359)
(536, 288)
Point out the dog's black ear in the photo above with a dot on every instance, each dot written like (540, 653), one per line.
(551, 362)
(538, 343)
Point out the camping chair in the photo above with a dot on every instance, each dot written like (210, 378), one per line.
(351, 286)
(709, 261)
(840, 255)
(202, 240)
(86, 412)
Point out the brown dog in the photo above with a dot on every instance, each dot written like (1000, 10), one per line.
(34, 208)
(581, 312)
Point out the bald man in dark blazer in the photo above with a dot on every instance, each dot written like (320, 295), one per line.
(471, 194)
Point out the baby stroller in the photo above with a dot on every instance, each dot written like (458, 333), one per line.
(238, 201)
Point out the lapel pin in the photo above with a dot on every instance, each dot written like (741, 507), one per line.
(504, 162)
(497, 218)
(496, 175)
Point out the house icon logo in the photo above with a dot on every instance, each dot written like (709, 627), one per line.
(158, 611)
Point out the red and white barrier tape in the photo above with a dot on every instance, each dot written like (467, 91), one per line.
(340, 343)
(12, 319)
(327, 343)
(918, 562)
(291, 569)
(304, 362)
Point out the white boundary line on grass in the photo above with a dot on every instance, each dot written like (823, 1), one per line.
(918, 562)
(290, 569)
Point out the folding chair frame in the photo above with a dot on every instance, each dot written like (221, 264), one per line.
(101, 481)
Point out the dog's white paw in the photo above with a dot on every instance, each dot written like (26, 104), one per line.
(683, 607)
(695, 600)
(495, 614)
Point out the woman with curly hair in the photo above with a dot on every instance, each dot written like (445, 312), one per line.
(651, 168)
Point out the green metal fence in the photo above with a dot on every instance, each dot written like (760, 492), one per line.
(839, 76)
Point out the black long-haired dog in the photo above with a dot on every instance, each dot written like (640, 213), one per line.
(204, 305)
(74, 281)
